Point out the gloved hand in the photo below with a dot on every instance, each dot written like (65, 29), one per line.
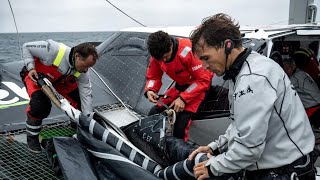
(72, 112)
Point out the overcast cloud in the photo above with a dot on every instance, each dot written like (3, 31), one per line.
(99, 15)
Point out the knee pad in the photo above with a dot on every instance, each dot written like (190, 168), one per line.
(40, 105)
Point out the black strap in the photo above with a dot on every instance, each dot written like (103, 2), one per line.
(181, 88)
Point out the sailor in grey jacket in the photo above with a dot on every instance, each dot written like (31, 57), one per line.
(46, 52)
(307, 90)
(270, 132)
(269, 126)
(66, 68)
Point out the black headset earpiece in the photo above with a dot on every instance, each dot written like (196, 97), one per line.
(228, 46)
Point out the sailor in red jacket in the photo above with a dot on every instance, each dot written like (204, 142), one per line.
(174, 57)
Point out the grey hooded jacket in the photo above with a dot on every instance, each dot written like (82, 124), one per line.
(47, 51)
(269, 126)
(307, 89)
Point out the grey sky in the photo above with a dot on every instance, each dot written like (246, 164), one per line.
(98, 15)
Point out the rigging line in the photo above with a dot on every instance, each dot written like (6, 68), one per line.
(126, 14)
(14, 19)
(114, 94)
(281, 21)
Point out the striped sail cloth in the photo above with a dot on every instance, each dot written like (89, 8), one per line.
(119, 143)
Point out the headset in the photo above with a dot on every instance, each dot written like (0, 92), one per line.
(228, 46)
(234, 69)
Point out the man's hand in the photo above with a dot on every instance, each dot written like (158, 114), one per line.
(178, 105)
(32, 73)
(152, 96)
(200, 171)
(203, 149)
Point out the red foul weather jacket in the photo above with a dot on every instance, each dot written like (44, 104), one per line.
(192, 81)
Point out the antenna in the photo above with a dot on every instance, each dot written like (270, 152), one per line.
(126, 14)
(14, 19)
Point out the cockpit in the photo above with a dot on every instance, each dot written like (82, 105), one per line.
(288, 48)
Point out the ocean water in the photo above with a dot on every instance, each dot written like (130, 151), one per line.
(11, 51)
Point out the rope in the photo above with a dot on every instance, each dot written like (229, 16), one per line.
(172, 113)
(126, 14)
(115, 94)
(15, 24)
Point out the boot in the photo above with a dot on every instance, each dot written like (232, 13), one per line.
(33, 130)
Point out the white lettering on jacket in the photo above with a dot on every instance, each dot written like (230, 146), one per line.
(194, 68)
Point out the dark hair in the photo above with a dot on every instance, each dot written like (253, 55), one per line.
(85, 50)
(215, 30)
(159, 43)
(276, 56)
(289, 61)
(301, 57)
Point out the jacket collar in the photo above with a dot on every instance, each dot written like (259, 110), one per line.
(235, 67)
(175, 45)
(71, 58)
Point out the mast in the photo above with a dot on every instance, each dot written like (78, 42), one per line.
(303, 11)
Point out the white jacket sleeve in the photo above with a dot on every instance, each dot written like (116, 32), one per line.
(252, 106)
(44, 50)
(85, 92)
(222, 143)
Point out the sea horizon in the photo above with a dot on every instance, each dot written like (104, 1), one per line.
(58, 32)
(10, 43)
